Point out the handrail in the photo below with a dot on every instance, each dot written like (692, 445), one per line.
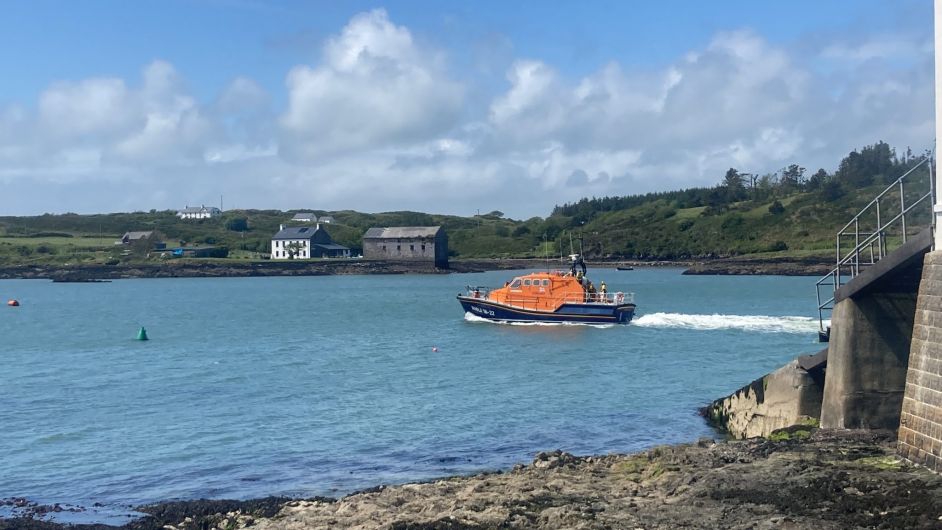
(531, 302)
(876, 238)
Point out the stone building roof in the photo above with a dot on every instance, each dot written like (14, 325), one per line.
(402, 232)
(296, 232)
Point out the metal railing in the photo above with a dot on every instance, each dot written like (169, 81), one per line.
(872, 244)
(524, 301)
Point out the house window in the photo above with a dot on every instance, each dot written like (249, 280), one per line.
(423, 247)
(398, 247)
(412, 248)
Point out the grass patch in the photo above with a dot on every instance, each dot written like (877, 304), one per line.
(883, 463)
(784, 435)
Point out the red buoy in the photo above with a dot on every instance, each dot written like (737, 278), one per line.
(13, 303)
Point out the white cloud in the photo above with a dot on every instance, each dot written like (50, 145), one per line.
(376, 88)
(101, 108)
(380, 123)
(884, 46)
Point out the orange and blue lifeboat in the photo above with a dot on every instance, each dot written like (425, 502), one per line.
(549, 297)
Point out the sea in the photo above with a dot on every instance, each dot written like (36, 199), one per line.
(325, 385)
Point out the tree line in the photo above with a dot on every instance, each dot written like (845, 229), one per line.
(873, 164)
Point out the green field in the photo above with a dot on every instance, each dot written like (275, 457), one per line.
(783, 215)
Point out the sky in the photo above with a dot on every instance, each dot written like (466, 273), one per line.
(441, 107)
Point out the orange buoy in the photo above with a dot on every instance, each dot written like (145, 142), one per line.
(13, 302)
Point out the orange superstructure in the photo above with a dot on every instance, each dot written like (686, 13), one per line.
(540, 291)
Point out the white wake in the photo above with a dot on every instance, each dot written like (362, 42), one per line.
(764, 324)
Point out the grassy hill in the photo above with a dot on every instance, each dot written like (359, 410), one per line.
(779, 215)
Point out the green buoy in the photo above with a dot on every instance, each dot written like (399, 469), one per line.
(142, 334)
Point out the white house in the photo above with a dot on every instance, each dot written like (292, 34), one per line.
(202, 212)
(304, 217)
(303, 242)
(326, 219)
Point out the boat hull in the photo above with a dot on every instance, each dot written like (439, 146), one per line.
(571, 313)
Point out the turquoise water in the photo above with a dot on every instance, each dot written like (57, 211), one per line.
(323, 385)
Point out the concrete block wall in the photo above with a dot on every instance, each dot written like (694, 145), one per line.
(920, 431)
(783, 398)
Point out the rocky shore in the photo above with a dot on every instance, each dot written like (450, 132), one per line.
(811, 266)
(239, 269)
(800, 478)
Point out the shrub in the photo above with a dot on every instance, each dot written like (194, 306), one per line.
(776, 208)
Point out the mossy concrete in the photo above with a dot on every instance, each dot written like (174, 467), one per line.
(788, 396)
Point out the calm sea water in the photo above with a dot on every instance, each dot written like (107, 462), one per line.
(324, 385)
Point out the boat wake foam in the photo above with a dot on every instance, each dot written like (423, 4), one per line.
(763, 324)
(474, 318)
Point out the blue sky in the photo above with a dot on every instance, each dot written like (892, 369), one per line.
(441, 107)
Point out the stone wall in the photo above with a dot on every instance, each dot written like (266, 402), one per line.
(785, 397)
(920, 430)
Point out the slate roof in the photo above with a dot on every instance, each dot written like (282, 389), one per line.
(200, 209)
(304, 216)
(296, 232)
(332, 246)
(133, 236)
(402, 232)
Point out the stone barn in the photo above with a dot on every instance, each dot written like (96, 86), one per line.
(409, 243)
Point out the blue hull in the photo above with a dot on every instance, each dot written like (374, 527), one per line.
(577, 313)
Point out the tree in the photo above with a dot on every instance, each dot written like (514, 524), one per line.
(875, 162)
(237, 224)
(832, 190)
(792, 178)
(817, 180)
(776, 208)
(734, 187)
(293, 249)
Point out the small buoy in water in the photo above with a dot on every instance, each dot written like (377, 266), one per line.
(434, 349)
(142, 334)
(13, 302)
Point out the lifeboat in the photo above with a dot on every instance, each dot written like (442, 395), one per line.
(550, 297)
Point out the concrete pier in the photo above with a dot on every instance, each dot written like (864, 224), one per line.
(788, 396)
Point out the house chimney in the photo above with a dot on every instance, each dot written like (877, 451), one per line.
(281, 227)
(318, 227)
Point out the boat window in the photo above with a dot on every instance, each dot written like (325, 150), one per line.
(526, 282)
(515, 284)
(545, 282)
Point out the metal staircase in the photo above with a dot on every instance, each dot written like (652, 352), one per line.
(882, 226)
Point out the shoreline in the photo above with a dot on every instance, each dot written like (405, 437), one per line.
(237, 269)
(814, 479)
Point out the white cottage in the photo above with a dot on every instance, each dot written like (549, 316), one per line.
(303, 242)
(202, 212)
